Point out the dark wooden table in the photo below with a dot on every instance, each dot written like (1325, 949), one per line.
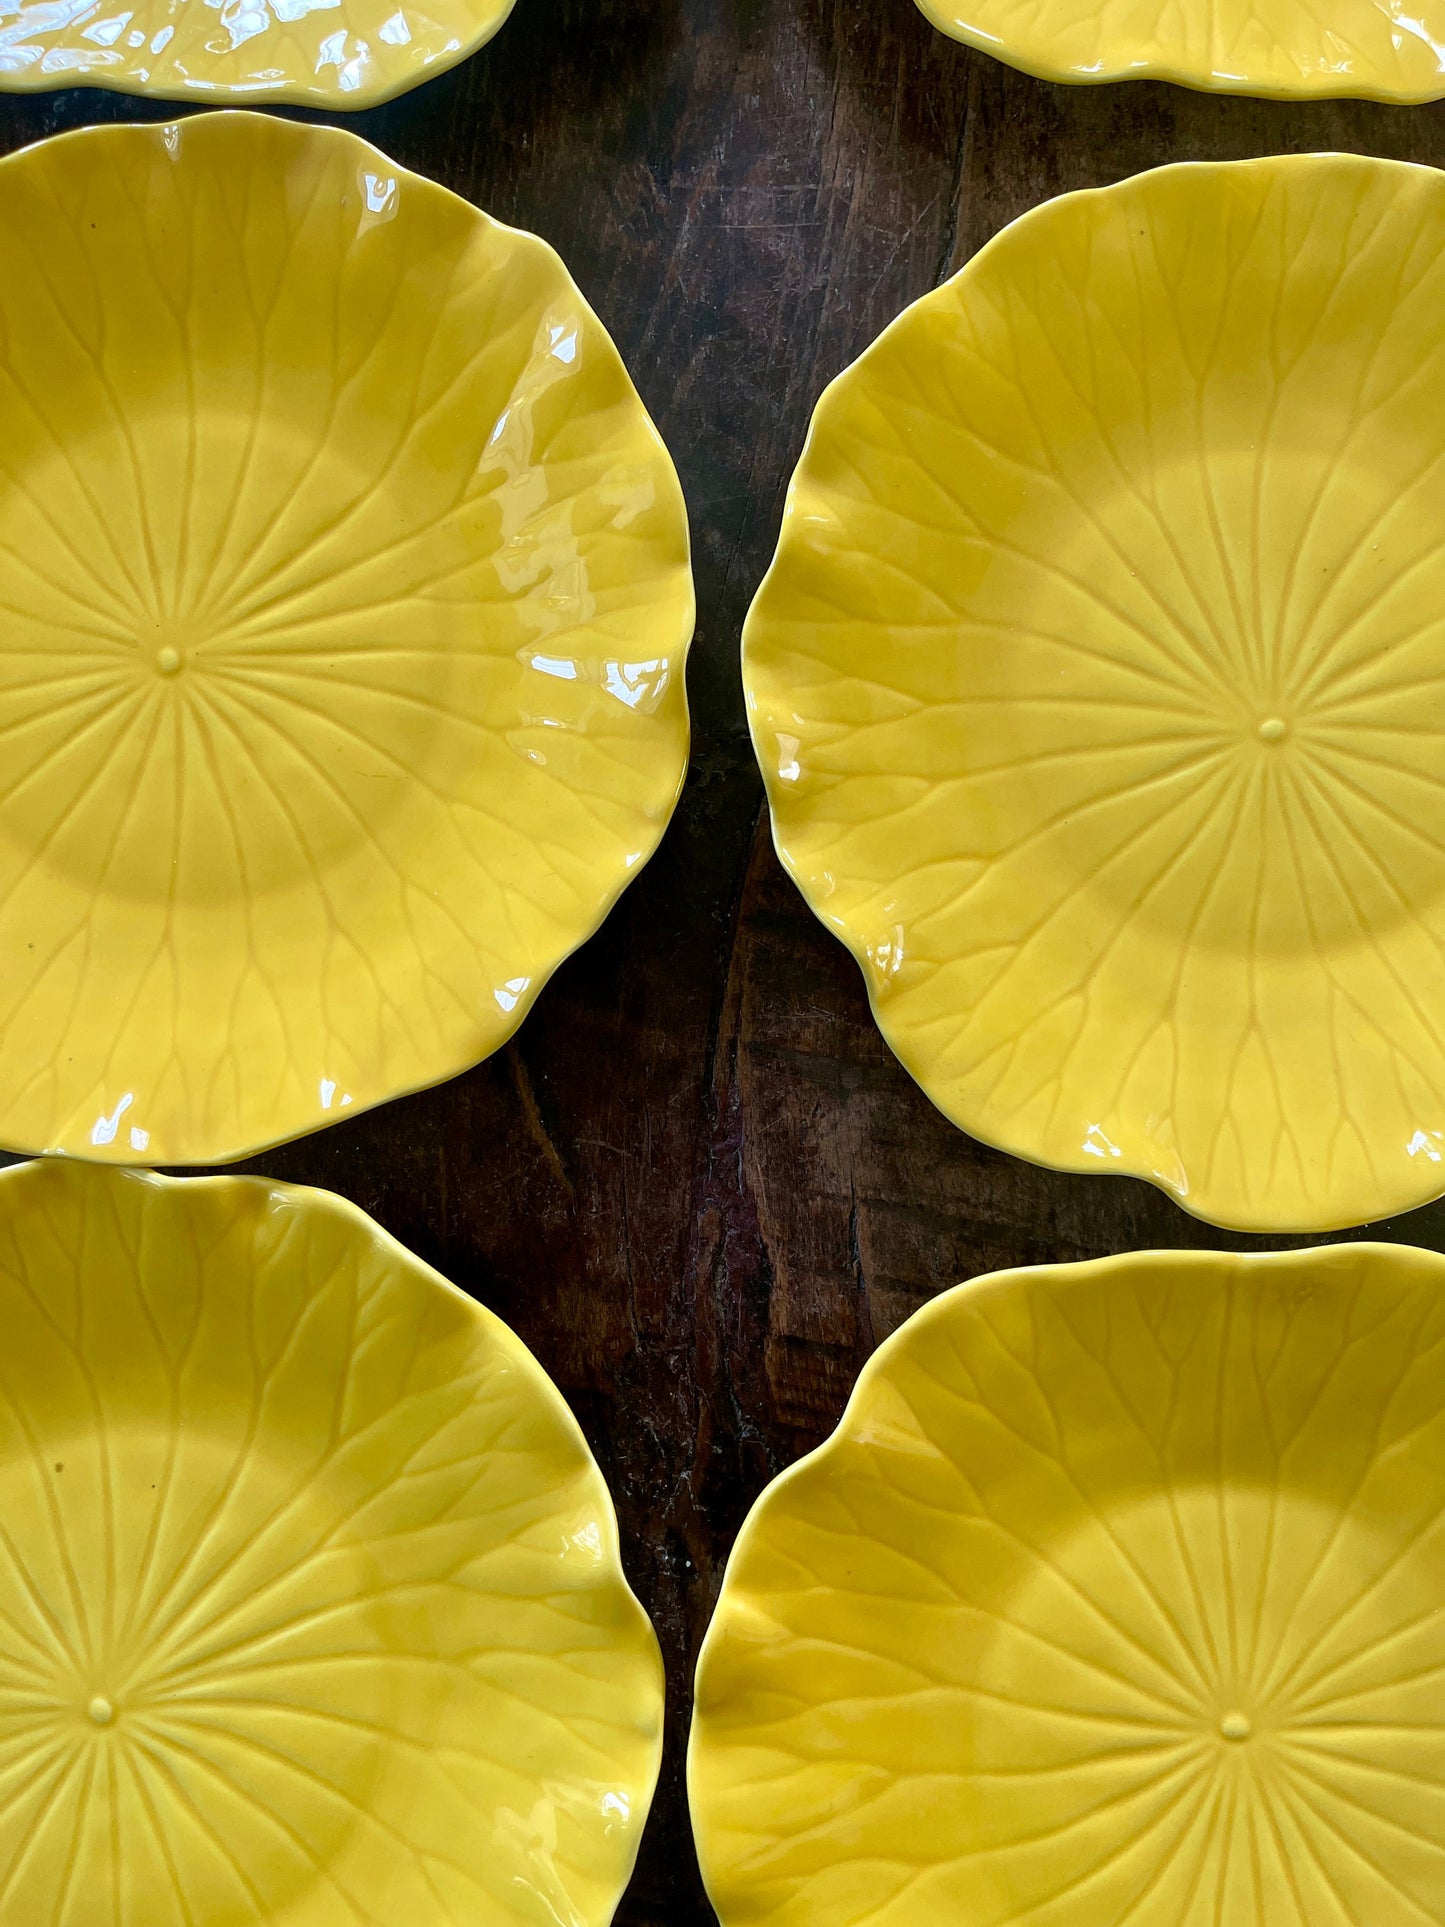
(696, 1183)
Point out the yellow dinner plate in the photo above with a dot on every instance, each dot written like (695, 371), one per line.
(1370, 49)
(1116, 1597)
(321, 53)
(311, 1612)
(1099, 686)
(344, 601)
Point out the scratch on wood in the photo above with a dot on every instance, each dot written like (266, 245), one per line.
(536, 1128)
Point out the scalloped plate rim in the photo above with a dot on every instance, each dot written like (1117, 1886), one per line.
(544, 1388)
(1075, 1275)
(108, 130)
(1176, 74)
(1010, 1144)
(334, 1203)
(229, 96)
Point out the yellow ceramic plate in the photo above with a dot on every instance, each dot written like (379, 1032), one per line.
(1099, 686)
(344, 598)
(322, 53)
(1370, 49)
(1114, 1598)
(311, 1612)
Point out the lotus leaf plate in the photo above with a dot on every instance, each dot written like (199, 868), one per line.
(1099, 686)
(1114, 1598)
(1281, 49)
(311, 1612)
(319, 53)
(344, 600)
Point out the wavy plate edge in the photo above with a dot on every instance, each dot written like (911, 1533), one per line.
(796, 502)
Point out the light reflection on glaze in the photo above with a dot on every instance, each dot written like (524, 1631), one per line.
(1102, 655)
(278, 49)
(1278, 48)
(338, 703)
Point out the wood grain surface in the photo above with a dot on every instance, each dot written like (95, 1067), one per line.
(696, 1183)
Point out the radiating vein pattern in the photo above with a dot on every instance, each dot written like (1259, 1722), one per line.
(1116, 1598)
(340, 53)
(1099, 685)
(1281, 48)
(344, 594)
(311, 1611)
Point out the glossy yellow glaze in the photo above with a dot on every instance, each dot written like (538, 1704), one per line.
(1099, 686)
(344, 601)
(311, 1611)
(1281, 49)
(1114, 1598)
(319, 53)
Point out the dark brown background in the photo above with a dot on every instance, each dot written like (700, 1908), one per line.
(696, 1183)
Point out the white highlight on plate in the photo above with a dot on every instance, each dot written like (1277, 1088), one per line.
(105, 33)
(508, 993)
(49, 16)
(75, 60)
(1098, 1144)
(104, 1128)
(561, 666)
(332, 53)
(637, 685)
(243, 21)
(886, 956)
(380, 199)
